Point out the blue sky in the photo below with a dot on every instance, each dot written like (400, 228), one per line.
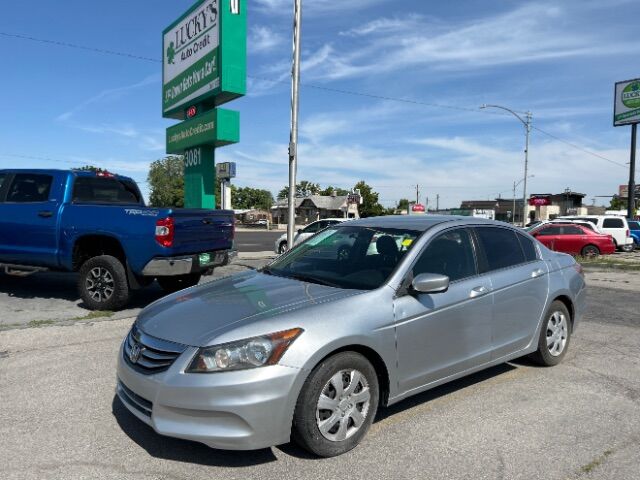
(65, 107)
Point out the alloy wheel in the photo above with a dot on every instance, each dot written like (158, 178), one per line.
(100, 284)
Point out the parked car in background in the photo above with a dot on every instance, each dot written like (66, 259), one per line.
(634, 227)
(613, 225)
(584, 223)
(302, 234)
(573, 239)
(96, 224)
(309, 347)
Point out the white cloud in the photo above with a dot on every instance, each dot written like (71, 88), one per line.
(263, 39)
(109, 95)
(313, 7)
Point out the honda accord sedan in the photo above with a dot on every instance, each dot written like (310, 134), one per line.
(311, 346)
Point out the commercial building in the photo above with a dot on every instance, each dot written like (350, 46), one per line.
(315, 207)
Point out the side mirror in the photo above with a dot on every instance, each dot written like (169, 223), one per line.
(430, 283)
(299, 231)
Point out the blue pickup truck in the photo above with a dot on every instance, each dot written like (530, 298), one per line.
(96, 224)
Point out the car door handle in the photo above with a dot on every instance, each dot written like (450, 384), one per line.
(537, 273)
(478, 291)
(45, 213)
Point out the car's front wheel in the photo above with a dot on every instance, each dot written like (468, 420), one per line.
(554, 335)
(283, 248)
(337, 405)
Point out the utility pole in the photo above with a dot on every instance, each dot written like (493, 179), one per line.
(437, 201)
(293, 137)
(631, 195)
(417, 193)
(513, 211)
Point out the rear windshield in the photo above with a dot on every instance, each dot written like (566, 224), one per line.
(108, 190)
(634, 225)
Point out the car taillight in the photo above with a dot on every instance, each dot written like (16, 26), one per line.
(628, 233)
(165, 229)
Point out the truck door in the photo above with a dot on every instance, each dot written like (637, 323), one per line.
(28, 218)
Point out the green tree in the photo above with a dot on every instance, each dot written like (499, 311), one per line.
(166, 181)
(370, 206)
(90, 168)
(248, 198)
(341, 192)
(617, 203)
(303, 189)
(403, 204)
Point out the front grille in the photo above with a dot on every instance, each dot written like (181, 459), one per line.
(150, 355)
(134, 400)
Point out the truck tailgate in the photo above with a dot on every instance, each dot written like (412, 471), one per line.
(202, 230)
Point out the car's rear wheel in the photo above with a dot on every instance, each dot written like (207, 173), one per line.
(554, 335)
(590, 251)
(282, 248)
(628, 248)
(337, 405)
(103, 283)
(178, 282)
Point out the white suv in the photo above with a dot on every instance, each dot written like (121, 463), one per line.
(613, 225)
(306, 232)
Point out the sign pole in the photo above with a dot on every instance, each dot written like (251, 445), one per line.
(631, 193)
(293, 138)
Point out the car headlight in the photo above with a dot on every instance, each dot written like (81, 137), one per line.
(248, 353)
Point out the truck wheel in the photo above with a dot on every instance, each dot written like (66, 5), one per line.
(179, 282)
(103, 283)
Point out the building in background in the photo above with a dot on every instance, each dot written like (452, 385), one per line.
(547, 206)
(316, 207)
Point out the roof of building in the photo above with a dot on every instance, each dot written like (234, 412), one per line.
(325, 202)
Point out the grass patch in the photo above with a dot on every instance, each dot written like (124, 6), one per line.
(596, 462)
(40, 323)
(609, 262)
(94, 314)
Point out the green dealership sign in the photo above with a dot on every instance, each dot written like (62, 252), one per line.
(204, 56)
(217, 127)
(204, 66)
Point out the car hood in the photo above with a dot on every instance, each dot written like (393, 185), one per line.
(198, 315)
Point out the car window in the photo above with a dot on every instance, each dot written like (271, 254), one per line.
(570, 230)
(551, 230)
(501, 248)
(613, 223)
(312, 228)
(338, 257)
(450, 254)
(528, 247)
(27, 187)
(588, 226)
(632, 225)
(105, 190)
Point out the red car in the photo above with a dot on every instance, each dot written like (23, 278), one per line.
(574, 239)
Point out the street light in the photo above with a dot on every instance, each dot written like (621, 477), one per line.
(514, 199)
(527, 127)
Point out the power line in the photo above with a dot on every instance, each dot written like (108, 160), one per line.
(578, 147)
(307, 85)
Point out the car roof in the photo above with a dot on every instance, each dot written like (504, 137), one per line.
(418, 222)
(51, 171)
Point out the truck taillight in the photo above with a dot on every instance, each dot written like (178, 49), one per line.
(165, 229)
(628, 233)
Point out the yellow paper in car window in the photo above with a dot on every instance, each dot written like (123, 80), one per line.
(406, 242)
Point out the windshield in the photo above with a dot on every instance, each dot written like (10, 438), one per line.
(346, 257)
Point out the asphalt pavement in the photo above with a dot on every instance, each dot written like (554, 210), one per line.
(60, 420)
(256, 240)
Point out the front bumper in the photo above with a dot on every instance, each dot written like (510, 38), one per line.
(242, 410)
(185, 264)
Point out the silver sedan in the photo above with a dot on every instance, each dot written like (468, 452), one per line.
(362, 315)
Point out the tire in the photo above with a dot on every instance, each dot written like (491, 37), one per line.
(553, 342)
(103, 283)
(628, 248)
(282, 248)
(340, 418)
(590, 251)
(179, 282)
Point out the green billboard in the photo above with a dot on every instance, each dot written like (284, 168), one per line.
(216, 128)
(204, 56)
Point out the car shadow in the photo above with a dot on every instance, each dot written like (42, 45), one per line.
(175, 449)
(444, 390)
(63, 286)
